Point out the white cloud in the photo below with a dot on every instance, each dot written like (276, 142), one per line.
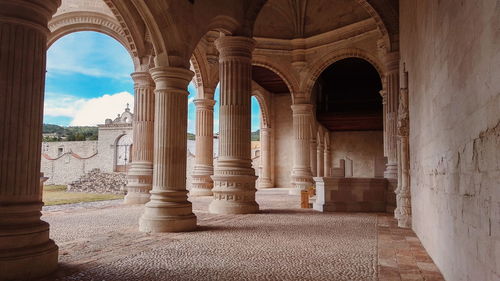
(190, 100)
(87, 112)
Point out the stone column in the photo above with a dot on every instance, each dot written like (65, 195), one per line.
(391, 108)
(320, 154)
(202, 183)
(327, 159)
(403, 194)
(312, 155)
(140, 173)
(26, 252)
(169, 210)
(301, 171)
(234, 178)
(265, 178)
(384, 116)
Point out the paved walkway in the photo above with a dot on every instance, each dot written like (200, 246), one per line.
(101, 242)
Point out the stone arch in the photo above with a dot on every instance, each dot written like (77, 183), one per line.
(289, 80)
(324, 62)
(88, 21)
(263, 98)
(381, 25)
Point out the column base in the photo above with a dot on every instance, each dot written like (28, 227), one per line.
(134, 197)
(26, 252)
(391, 171)
(201, 185)
(264, 183)
(233, 194)
(31, 263)
(300, 183)
(140, 179)
(168, 211)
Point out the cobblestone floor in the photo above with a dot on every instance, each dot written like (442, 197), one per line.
(282, 242)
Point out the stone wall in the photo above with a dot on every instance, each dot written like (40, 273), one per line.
(283, 128)
(80, 157)
(451, 50)
(363, 148)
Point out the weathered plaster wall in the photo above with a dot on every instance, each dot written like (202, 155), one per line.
(283, 128)
(451, 50)
(361, 147)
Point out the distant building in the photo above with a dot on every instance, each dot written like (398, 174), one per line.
(66, 161)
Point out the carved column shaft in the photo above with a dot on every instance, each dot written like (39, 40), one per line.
(202, 183)
(234, 178)
(301, 171)
(265, 178)
(169, 210)
(391, 107)
(140, 173)
(26, 252)
(403, 192)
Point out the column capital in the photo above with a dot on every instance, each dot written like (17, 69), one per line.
(172, 78)
(34, 14)
(204, 103)
(142, 78)
(302, 108)
(235, 47)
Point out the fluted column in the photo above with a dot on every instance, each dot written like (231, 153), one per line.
(26, 252)
(391, 109)
(301, 171)
(140, 173)
(169, 210)
(234, 178)
(320, 154)
(327, 160)
(202, 182)
(403, 193)
(312, 155)
(265, 178)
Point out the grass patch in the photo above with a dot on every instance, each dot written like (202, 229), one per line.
(57, 195)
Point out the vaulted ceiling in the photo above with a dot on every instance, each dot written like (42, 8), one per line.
(288, 19)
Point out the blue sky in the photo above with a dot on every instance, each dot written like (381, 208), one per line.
(88, 80)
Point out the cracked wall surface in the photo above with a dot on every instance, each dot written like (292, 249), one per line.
(451, 50)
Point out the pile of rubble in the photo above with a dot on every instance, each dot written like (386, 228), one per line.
(96, 181)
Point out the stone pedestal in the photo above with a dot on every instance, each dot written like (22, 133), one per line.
(202, 183)
(26, 252)
(140, 173)
(234, 178)
(265, 178)
(169, 210)
(301, 171)
(391, 114)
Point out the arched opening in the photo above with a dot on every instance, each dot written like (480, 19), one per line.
(123, 155)
(349, 106)
(276, 128)
(88, 111)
